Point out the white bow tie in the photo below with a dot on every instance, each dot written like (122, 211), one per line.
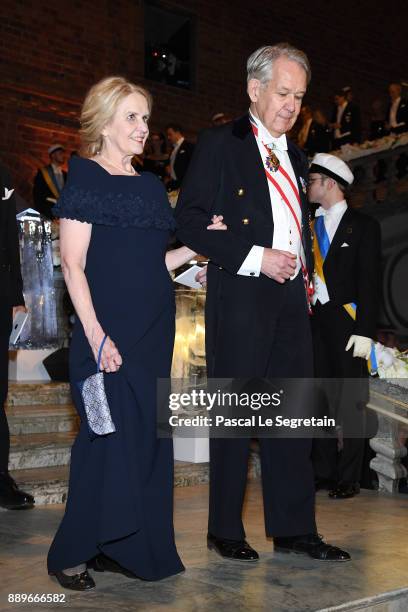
(279, 144)
(322, 212)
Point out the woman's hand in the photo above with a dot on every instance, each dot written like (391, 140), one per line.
(217, 223)
(111, 359)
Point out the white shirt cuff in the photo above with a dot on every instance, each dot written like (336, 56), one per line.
(252, 263)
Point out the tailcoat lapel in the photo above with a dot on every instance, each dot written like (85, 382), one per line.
(342, 234)
(249, 162)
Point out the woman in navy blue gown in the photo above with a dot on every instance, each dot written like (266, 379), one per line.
(114, 231)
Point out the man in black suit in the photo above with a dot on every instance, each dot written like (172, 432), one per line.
(49, 181)
(346, 121)
(180, 156)
(315, 134)
(257, 322)
(397, 111)
(346, 303)
(11, 300)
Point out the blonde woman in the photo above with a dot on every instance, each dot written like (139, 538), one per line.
(114, 230)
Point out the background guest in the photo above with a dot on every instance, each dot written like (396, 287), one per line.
(49, 181)
(314, 135)
(157, 157)
(11, 301)
(180, 156)
(397, 111)
(346, 121)
(346, 303)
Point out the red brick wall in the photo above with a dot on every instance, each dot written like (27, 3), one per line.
(51, 52)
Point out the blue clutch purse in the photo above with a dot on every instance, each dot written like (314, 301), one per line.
(96, 406)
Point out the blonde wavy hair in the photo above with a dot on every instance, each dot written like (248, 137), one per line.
(99, 108)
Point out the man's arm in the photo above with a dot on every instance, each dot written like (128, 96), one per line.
(202, 196)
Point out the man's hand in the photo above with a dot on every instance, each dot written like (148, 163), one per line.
(277, 264)
(217, 223)
(201, 277)
(362, 346)
(17, 309)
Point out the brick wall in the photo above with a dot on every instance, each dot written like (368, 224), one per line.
(51, 52)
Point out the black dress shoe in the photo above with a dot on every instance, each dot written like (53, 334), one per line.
(238, 550)
(77, 582)
(102, 563)
(11, 497)
(344, 490)
(311, 545)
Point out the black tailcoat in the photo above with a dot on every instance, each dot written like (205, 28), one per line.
(402, 117)
(255, 327)
(11, 294)
(41, 192)
(353, 275)
(350, 125)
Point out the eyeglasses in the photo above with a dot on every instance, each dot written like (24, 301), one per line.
(313, 180)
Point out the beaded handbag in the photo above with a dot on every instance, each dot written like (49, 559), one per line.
(92, 390)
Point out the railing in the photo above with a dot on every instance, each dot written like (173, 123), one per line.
(380, 172)
(388, 401)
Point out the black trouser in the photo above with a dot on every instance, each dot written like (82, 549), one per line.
(263, 336)
(332, 327)
(5, 330)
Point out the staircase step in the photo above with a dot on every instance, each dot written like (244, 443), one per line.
(39, 393)
(47, 418)
(49, 485)
(40, 450)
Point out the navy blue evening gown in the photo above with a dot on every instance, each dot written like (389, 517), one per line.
(120, 499)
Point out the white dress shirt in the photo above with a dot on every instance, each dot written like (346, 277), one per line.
(58, 175)
(285, 233)
(173, 157)
(332, 217)
(340, 111)
(393, 113)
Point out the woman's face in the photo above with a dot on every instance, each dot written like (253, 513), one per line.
(128, 130)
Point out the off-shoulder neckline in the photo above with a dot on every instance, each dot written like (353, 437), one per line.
(95, 163)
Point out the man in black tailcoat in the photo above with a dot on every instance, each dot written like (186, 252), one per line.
(11, 300)
(346, 121)
(257, 322)
(49, 181)
(345, 310)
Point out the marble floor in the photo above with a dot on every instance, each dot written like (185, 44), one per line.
(372, 527)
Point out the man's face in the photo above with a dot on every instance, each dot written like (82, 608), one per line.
(317, 188)
(172, 136)
(339, 100)
(58, 157)
(277, 103)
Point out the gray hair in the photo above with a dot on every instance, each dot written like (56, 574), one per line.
(260, 62)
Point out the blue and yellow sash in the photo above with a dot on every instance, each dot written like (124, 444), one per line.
(321, 245)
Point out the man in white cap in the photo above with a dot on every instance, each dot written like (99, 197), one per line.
(347, 254)
(49, 181)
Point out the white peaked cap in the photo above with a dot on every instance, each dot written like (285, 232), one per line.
(332, 166)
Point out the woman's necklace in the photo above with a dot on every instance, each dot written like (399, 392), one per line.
(130, 172)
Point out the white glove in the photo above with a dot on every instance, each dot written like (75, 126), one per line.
(362, 346)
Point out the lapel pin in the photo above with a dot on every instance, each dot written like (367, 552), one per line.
(241, 191)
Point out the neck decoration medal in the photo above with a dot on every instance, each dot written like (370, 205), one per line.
(272, 162)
